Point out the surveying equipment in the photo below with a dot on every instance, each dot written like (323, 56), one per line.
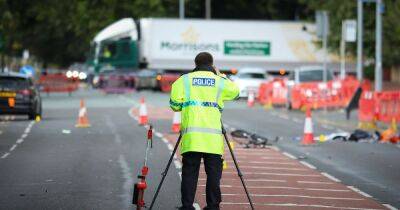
(141, 185)
(164, 174)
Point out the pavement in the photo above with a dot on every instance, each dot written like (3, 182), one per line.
(53, 165)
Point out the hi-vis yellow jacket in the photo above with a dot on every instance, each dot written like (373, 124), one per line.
(200, 97)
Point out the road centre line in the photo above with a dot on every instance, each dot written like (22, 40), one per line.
(127, 175)
(289, 155)
(308, 165)
(20, 140)
(359, 191)
(298, 205)
(330, 177)
(298, 196)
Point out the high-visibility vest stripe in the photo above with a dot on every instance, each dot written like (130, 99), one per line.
(201, 130)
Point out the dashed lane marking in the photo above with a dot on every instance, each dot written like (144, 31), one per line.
(289, 155)
(20, 140)
(390, 207)
(298, 205)
(330, 177)
(158, 134)
(308, 165)
(359, 191)
(5, 155)
(298, 196)
(13, 147)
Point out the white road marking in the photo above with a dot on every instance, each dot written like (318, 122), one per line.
(283, 187)
(158, 134)
(289, 155)
(308, 165)
(313, 182)
(127, 175)
(273, 168)
(264, 163)
(20, 140)
(330, 177)
(298, 205)
(266, 173)
(5, 155)
(170, 147)
(296, 120)
(390, 207)
(13, 147)
(250, 180)
(1, 132)
(165, 140)
(177, 164)
(359, 191)
(298, 196)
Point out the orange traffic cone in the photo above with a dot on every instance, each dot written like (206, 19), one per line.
(176, 122)
(308, 137)
(142, 113)
(83, 121)
(250, 99)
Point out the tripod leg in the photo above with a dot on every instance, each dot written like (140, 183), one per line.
(164, 174)
(237, 167)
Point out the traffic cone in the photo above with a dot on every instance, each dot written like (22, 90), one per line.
(176, 122)
(308, 137)
(250, 99)
(83, 121)
(142, 113)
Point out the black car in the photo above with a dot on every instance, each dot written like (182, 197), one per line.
(18, 95)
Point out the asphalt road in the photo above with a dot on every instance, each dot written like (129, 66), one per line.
(53, 165)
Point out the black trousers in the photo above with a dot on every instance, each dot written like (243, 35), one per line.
(190, 174)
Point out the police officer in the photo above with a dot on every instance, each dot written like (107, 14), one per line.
(200, 96)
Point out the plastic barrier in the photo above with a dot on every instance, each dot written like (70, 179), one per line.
(167, 80)
(366, 110)
(333, 94)
(388, 106)
(57, 83)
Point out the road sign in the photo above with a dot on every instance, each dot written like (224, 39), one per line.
(350, 30)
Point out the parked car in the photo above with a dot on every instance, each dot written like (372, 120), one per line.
(148, 79)
(249, 79)
(18, 95)
(305, 74)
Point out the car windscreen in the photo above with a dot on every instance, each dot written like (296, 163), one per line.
(14, 83)
(313, 76)
(251, 76)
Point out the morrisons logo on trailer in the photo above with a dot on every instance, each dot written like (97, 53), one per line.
(190, 43)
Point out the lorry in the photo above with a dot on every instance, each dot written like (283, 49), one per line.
(169, 45)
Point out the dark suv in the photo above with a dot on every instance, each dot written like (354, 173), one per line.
(18, 95)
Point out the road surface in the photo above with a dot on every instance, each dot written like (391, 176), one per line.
(53, 165)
